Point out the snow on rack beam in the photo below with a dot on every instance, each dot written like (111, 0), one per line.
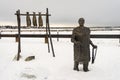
(58, 36)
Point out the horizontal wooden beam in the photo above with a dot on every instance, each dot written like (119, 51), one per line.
(58, 35)
(32, 14)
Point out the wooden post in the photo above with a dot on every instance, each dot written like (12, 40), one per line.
(19, 41)
(57, 34)
(119, 40)
(0, 34)
(48, 26)
(46, 38)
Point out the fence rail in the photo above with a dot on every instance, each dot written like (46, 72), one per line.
(59, 35)
(36, 29)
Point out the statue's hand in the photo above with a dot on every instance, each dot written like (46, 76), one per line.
(94, 46)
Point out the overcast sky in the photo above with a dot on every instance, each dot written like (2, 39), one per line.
(64, 12)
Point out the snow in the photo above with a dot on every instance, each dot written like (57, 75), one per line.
(46, 67)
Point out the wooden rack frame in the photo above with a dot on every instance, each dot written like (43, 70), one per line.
(48, 33)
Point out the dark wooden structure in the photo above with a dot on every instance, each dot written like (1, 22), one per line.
(18, 36)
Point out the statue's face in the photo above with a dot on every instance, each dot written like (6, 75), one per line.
(81, 21)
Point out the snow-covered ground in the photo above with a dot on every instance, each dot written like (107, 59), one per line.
(46, 67)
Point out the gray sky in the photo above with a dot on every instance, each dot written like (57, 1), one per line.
(64, 12)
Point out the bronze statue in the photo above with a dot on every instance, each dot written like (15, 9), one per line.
(81, 40)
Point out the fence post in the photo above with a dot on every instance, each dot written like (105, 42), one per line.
(119, 40)
(0, 34)
(58, 35)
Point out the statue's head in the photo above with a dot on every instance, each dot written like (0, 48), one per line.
(81, 21)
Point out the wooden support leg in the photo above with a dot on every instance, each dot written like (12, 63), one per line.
(17, 39)
(46, 39)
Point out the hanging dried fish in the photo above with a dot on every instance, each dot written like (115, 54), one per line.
(40, 21)
(28, 21)
(34, 19)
